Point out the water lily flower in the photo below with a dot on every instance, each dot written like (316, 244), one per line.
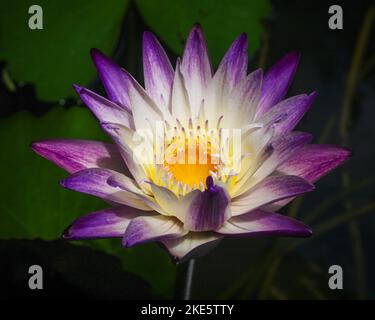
(187, 204)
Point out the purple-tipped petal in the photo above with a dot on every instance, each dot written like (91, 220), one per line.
(231, 72)
(94, 182)
(284, 147)
(313, 161)
(77, 155)
(152, 228)
(103, 109)
(234, 63)
(107, 223)
(195, 60)
(259, 222)
(114, 79)
(243, 101)
(271, 189)
(287, 113)
(192, 245)
(249, 93)
(196, 68)
(208, 209)
(272, 155)
(158, 71)
(276, 82)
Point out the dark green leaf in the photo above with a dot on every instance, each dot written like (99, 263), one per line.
(58, 55)
(222, 21)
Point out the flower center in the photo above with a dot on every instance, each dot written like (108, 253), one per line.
(191, 161)
(192, 174)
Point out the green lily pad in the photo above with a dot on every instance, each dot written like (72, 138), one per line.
(54, 57)
(222, 21)
(35, 206)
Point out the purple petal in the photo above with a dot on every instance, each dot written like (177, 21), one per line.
(94, 182)
(76, 155)
(196, 68)
(259, 222)
(152, 228)
(103, 109)
(231, 72)
(234, 63)
(271, 189)
(290, 111)
(249, 93)
(195, 62)
(313, 161)
(158, 71)
(243, 101)
(107, 223)
(208, 209)
(114, 79)
(284, 147)
(277, 81)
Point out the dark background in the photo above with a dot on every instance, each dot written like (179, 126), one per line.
(37, 102)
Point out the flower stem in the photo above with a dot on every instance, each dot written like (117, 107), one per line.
(184, 281)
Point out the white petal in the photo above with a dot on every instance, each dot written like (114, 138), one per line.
(122, 137)
(200, 242)
(145, 111)
(180, 103)
(169, 202)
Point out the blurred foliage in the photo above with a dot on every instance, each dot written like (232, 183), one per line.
(57, 56)
(293, 277)
(172, 21)
(298, 278)
(282, 274)
(35, 206)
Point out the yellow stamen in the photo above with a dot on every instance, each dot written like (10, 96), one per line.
(195, 172)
